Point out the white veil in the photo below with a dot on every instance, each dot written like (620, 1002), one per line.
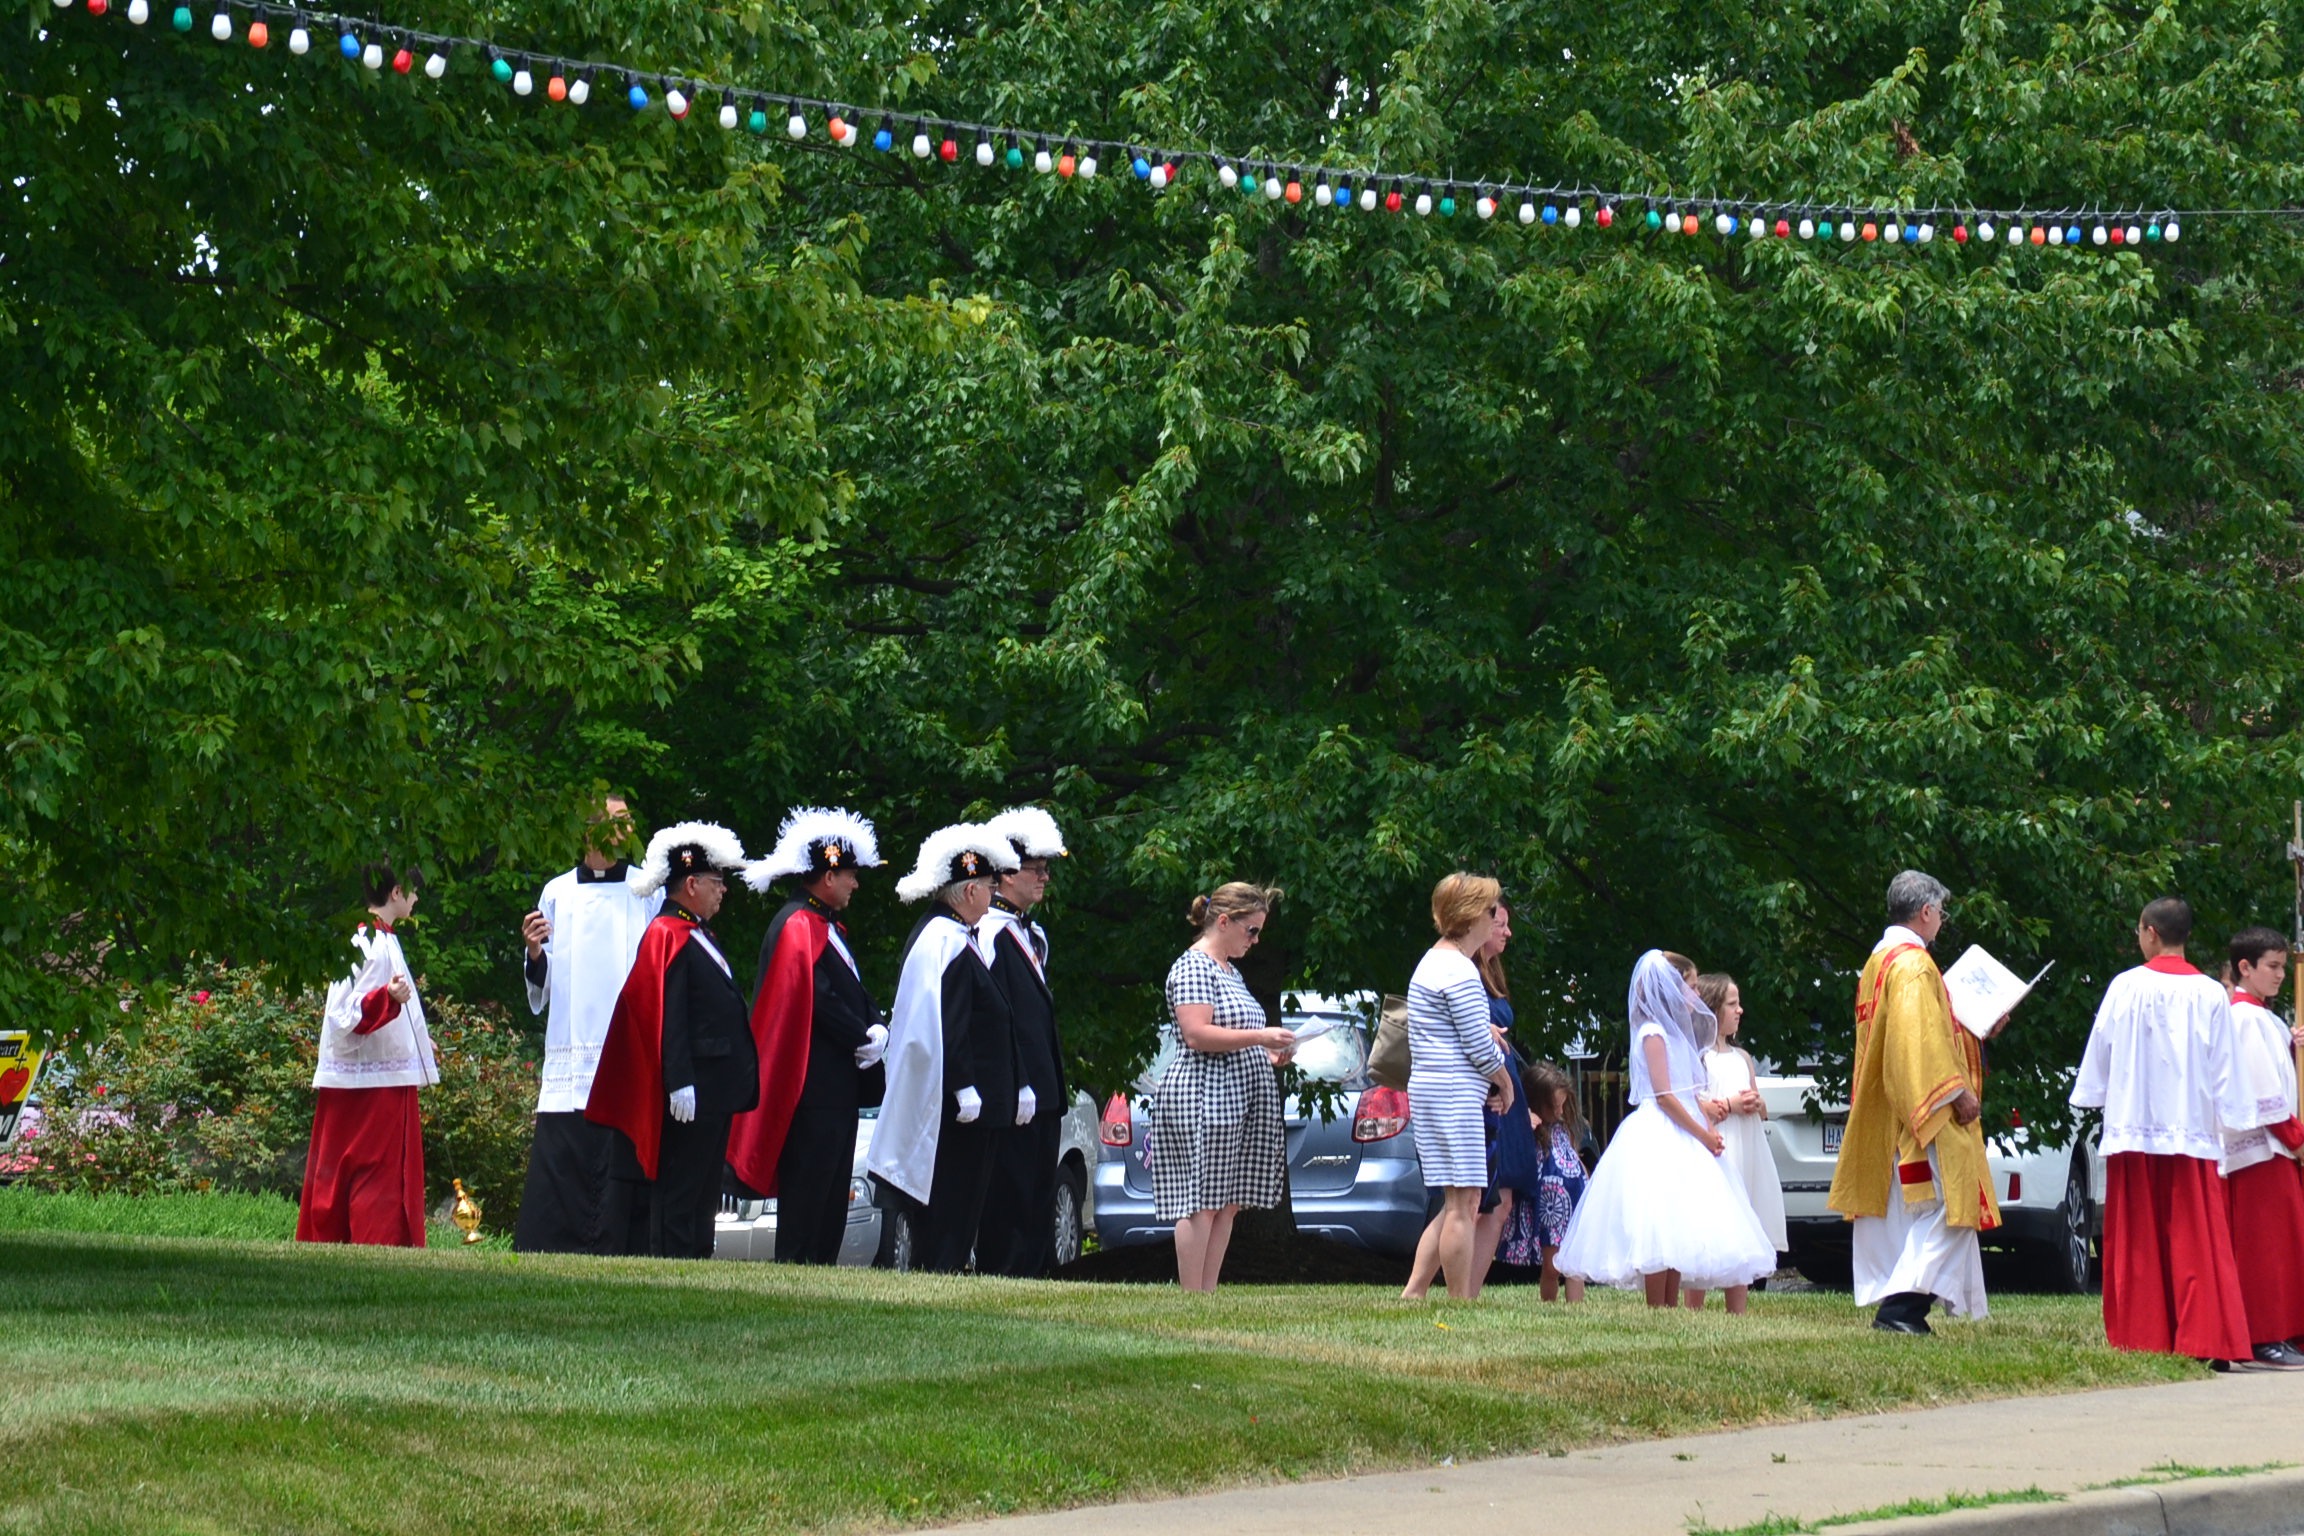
(1661, 995)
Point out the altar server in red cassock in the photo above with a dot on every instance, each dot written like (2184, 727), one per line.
(364, 1174)
(678, 1062)
(2160, 1065)
(2261, 1178)
(818, 1034)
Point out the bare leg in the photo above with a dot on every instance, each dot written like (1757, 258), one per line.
(1219, 1239)
(1487, 1232)
(1663, 1287)
(1694, 1297)
(1548, 1285)
(1426, 1269)
(1191, 1247)
(1738, 1296)
(1459, 1220)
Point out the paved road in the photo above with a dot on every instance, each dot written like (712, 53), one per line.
(1810, 1470)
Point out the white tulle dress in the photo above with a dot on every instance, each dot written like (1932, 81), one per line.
(1659, 1199)
(1728, 1072)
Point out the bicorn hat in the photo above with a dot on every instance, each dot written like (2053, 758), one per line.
(688, 848)
(815, 840)
(1031, 831)
(969, 850)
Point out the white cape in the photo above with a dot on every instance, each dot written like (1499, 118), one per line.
(2262, 1060)
(903, 1152)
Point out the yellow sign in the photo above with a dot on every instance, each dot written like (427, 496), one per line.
(19, 1070)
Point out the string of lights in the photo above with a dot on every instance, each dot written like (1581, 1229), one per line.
(578, 83)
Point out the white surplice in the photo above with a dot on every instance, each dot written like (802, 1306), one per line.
(2161, 1063)
(2263, 1055)
(596, 930)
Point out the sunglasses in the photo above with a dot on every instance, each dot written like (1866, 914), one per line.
(1254, 929)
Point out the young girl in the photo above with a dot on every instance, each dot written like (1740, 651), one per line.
(1660, 1210)
(1731, 1101)
(1533, 1233)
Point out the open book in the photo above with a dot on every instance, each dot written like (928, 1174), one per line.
(1983, 989)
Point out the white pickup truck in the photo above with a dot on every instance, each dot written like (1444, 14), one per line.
(2051, 1198)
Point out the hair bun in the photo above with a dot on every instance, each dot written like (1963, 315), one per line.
(1197, 914)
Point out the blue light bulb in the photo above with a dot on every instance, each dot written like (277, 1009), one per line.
(347, 43)
(883, 140)
(638, 96)
(1142, 167)
(1551, 215)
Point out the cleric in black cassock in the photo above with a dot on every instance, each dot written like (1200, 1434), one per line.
(1017, 1236)
(818, 1035)
(678, 1062)
(952, 1071)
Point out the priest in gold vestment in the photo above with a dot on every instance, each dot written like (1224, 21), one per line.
(1913, 1174)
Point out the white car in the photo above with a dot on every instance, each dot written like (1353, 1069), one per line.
(884, 1238)
(2051, 1198)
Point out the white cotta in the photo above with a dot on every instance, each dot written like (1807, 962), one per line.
(395, 1055)
(903, 1151)
(596, 930)
(2160, 1063)
(2264, 1055)
(1661, 995)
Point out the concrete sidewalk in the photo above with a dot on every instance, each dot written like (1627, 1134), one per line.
(1805, 1471)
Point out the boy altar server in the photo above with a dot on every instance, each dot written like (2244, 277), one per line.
(678, 1061)
(364, 1174)
(1913, 1178)
(819, 1037)
(581, 939)
(2160, 1065)
(1018, 1233)
(2261, 1178)
(951, 1051)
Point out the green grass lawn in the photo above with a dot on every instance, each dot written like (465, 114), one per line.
(189, 1384)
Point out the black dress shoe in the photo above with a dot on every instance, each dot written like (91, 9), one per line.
(1902, 1325)
(2279, 1357)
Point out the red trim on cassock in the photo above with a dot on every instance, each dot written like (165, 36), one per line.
(2171, 965)
(783, 1016)
(364, 1174)
(2170, 1283)
(1915, 1173)
(628, 1090)
(377, 1009)
(2267, 1202)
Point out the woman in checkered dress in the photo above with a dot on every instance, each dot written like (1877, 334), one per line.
(1217, 1138)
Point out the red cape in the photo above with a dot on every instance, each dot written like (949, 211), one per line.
(628, 1090)
(783, 1013)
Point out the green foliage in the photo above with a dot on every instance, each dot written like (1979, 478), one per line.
(212, 1091)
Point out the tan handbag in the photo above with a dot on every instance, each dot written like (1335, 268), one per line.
(1388, 1057)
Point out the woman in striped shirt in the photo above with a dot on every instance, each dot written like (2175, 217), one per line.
(1456, 1068)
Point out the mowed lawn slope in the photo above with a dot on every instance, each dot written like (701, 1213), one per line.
(162, 1385)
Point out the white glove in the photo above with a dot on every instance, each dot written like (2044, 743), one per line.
(1026, 1105)
(971, 1105)
(684, 1105)
(874, 1047)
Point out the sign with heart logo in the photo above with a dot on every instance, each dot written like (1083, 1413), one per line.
(19, 1069)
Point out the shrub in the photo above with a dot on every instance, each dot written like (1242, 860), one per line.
(212, 1090)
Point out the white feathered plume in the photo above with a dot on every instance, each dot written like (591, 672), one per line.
(1032, 827)
(805, 827)
(946, 856)
(721, 846)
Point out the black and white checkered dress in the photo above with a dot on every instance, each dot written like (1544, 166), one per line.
(1217, 1135)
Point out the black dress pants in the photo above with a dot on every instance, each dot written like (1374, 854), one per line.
(563, 1202)
(812, 1176)
(684, 1205)
(1018, 1232)
(956, 1196)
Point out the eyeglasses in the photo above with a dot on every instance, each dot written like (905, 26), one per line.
(1254, 929)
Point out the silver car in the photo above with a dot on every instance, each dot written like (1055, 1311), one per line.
(1352, 1169)
(883, 1238)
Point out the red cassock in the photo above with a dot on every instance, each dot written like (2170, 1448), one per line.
(628, 1090)
(783, 1015)
(364, 1176)
(2170, 1283)
(2268, 1245)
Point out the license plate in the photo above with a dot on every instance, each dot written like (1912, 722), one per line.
(1832, 1130)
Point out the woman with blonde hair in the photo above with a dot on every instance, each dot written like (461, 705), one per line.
(1218, 1140)
(1456, 1069)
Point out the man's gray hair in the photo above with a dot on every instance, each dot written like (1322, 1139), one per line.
(1912, 891)
(949, 892)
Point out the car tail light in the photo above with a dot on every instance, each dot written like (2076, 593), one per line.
(1381, 1115)
(1118, 1129)
(2015, 1186)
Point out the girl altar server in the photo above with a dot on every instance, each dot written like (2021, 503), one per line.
(1661, 1211)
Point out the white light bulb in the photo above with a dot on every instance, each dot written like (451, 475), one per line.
(921, 148)
(1847, 229)
(2135, 235)
(1721, 223)
(848, 134)
(1927, 233)
(2100, 235)
(579, 90)
(1087, 165)
(437, 65)
(139, 12)
(523, 83)
(1573, 217)
(1527, 213)
(1984, 230)
(1758, 227)
(1324, 194)
(983, 151)
(1807, 229)
(1892, 233)
(795, 127)
(1484, 206)
(1423, 204)
(2169, 231)
(1043, 162)
(219, 29)
(373, 56)
(1367, 199)
(1159, 177)
(299, 40)
(2055, 234)
(1228, 176)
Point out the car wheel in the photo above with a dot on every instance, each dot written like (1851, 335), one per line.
(2074, 1269)
(1071, 1214)
(897, 1240)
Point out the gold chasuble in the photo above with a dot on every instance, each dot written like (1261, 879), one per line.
(1912, 1060)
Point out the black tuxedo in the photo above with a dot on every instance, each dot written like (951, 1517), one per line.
(707, 1045)
(1018, 1229)
(979, 1053)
